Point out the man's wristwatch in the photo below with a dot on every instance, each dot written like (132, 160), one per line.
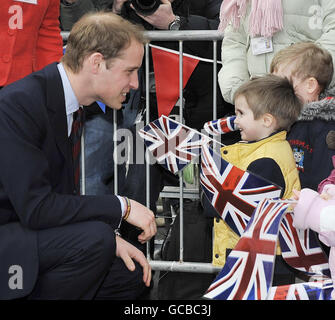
(175, 24)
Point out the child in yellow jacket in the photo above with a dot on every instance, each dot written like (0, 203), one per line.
(265, 109)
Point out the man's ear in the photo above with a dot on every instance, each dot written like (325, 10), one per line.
(95, 61)
(269, 120)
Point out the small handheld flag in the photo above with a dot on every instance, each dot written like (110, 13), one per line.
(220, 126)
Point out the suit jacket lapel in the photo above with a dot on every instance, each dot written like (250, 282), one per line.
(56, 110)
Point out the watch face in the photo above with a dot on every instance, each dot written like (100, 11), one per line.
(175, 25)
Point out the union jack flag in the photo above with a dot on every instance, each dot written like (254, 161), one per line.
(220, 126)
(247, 274)
(318, 290)
(233, 192)
(173, 144)
(301, 249)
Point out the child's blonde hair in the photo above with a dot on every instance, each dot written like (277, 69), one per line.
(309, 60)
(274, 95)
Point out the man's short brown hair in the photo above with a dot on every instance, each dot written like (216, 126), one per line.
(274, 95)
(102, 32)
(309, 60)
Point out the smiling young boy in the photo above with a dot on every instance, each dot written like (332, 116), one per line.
(265, 109)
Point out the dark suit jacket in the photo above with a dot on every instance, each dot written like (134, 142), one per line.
(36, 175)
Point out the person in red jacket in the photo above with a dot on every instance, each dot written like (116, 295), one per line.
(30, 37)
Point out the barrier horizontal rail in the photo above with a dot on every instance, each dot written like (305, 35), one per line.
(170, 192)
(178, 266)
(167, 35)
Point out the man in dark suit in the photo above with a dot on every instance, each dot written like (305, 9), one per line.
(55, 244)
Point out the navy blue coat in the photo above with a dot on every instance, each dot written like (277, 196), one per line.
(307, 138)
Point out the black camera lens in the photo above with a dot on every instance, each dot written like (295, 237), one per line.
(146, 7)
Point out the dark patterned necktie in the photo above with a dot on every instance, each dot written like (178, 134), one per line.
(75, 137)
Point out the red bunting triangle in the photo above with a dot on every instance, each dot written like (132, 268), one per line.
(166, 67)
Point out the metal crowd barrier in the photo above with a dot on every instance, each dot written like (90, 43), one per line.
(179, 36)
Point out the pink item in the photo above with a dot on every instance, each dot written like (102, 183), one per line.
(232, 11)
(266, 16)
(328, 180)
(318, 214)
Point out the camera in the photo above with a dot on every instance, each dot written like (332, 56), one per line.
(145, 7)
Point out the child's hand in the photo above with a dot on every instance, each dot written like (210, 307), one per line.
(328, 192)
(325, 196)
(296, 196)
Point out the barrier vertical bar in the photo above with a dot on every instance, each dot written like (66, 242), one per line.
(215, 86)
(215, 60)
(147, 120)
(181, 182)
(116, 176)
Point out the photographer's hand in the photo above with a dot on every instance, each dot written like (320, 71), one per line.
(162, 17)
(117, 5)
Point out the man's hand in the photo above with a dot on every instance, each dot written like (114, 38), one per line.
(143, 218)
(117, 5)
(162, 17)
(127, 252)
